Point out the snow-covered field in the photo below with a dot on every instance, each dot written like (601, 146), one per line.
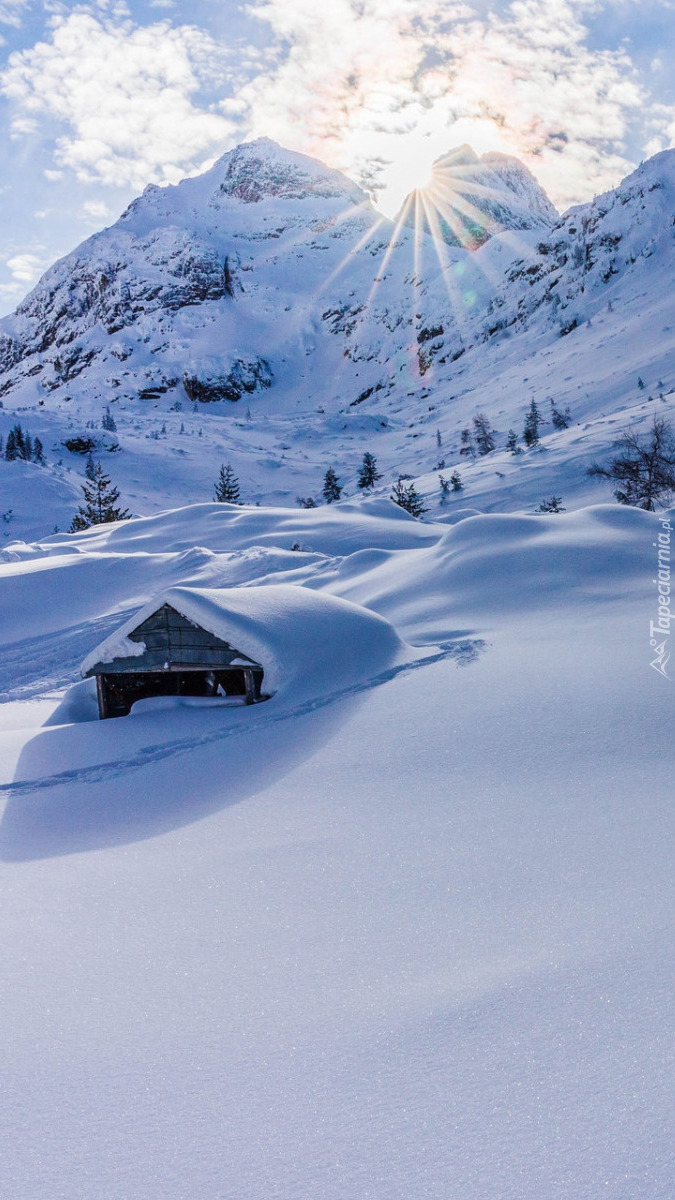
(402, 931)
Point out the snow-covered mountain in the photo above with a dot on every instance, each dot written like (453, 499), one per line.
(470, 199)
(272, 280)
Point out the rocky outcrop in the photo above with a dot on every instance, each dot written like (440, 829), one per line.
(259, 170)
(213, 380)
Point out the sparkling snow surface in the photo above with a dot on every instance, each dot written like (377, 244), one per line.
(406, 934)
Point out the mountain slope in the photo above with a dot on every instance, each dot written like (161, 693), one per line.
(272, 280)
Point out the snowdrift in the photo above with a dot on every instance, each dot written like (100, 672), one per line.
(400, 940)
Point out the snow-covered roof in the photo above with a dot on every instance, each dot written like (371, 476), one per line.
(293, 632)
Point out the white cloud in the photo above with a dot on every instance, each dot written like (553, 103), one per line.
(378, 88)
(25, 267)
(10, 11)
(96, 210)
(125, 95)
(405, 80)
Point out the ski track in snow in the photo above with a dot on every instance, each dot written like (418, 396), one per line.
(50, 662)
(463, 652)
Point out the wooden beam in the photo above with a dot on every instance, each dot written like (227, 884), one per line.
(102, 698)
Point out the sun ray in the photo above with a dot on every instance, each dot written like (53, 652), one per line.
(442, 250)
(393, 242)
(353, 251)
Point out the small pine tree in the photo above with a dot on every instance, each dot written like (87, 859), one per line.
(306, 501)
(11, 448)
(38, 452)
(227, 488)
(512, 442)
(532, 422)
(468, 445)
(439, 440)
(456, 481)
(108, 421)
(368, 472)
(101, 498)
(20, 442)
(560, 420)
(407, 497)
(27, 452)
(483, 434)
(641, 383)
(444, 485)
(332, 489)
(552, 505)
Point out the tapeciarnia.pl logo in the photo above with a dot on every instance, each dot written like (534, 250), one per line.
(659, 630)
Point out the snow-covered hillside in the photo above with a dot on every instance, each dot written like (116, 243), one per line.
(264, 314)
(401, 931)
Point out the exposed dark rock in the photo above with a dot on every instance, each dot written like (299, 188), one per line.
(208, 383)
(81, 445)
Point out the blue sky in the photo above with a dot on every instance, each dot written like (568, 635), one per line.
(98, 99)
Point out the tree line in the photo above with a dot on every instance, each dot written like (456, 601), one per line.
(20, 445)
(643, 470)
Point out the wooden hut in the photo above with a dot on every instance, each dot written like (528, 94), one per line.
(169, 654)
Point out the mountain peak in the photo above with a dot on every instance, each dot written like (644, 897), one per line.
(260, 169)
(478, 197)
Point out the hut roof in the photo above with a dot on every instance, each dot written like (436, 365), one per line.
(293, 632)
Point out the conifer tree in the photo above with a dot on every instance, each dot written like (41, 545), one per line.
(456, 481)
(483, 434)
(552, 505)
(368, 472)
(227, 486)
(19, 444)
(532, 422)
(11, 449)
(108, 421)
(407, 497)
(332, 489)
(468, 445)
(512, 442)
(444, 485)
(100, 507)
(560, 419)
(38, 452)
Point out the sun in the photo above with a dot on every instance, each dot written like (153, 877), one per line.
(411, 170)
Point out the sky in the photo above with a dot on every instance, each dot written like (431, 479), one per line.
(99, 99)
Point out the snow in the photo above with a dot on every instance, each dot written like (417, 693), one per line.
(403, 930)
(404, 933)
(307, 643)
